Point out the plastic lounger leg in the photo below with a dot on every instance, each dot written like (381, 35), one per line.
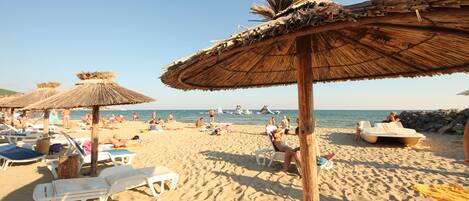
(162, 186)
(152, 188)
(271, 160)
(5, 165)
(174, 182)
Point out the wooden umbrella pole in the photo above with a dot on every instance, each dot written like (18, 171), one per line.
(12, 117)
(95, 141)
(306, 124)
(46, 123)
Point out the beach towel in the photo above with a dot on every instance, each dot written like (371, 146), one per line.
(87, 147)
(443, 192)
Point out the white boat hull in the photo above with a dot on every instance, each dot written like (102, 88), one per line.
(407, 139)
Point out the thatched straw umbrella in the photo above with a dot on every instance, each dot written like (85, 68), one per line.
(43, 91)
(6, 99)
(95, 89)
(322, 41)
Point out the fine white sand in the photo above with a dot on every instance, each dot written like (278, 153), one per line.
(224, 167)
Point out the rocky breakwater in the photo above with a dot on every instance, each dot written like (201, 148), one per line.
(440, 121)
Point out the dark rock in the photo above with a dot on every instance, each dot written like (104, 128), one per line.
(441, 121)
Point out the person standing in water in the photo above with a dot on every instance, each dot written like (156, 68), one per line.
(136, 117)
(211, 114)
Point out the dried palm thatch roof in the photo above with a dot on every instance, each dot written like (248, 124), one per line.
(43, 91)
(94, 89)
(370, 40)
(6, 99)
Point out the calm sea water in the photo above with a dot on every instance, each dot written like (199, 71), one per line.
(325, 118)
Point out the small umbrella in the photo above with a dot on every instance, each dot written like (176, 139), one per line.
(320, 41)
(465, 93)
(95, 89)
(43, 91)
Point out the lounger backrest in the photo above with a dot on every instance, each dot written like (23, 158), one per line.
(114, 170)
(125, 180)
(272, 140)
(75, 144)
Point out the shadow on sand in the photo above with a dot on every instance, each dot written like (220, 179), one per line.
(26, 192)
(348, 139)
(268, 187)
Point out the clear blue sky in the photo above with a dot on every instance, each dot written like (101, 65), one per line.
(51, 40)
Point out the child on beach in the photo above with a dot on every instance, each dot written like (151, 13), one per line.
(200, 123)
(135, 116)
(358, 131)
(170, 118)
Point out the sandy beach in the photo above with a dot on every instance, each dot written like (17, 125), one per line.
(224, 167)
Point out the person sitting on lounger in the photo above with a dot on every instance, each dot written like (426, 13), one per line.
(281, 145)
(153, 127)
(392, 118)
(271, 121)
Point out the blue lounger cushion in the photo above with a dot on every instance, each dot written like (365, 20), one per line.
(13, 152)
(118, 151)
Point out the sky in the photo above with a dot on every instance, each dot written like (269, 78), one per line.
(51, 40)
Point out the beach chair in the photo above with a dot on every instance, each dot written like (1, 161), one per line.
(10, 153)
(40, 127)
(14, 135)
(110, 181)
(275, 154)
(117, 156)
(270, 153)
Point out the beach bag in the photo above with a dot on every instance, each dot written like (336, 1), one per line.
(55, 149)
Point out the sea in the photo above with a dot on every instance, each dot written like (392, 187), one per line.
(324, 118)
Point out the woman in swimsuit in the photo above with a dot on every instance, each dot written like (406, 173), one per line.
(279, 142)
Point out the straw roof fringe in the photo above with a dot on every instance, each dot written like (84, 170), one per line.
(370, 40)
(96, 75)
(48, 85)
(95, 89)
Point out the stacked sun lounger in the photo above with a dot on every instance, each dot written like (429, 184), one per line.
(110, 181)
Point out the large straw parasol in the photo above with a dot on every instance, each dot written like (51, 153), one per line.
(322, 41)
(5, 99)
(95, 89)
(43, 91)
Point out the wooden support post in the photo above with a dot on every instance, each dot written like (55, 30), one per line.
(306, 124)
(12, 117)
(95, 141)
(46, 123)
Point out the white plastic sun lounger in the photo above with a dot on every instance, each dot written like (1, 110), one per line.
(14, 135)
(110, 181)
(389, 130)
(10, 153)
(117, 156)
(40, 126)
